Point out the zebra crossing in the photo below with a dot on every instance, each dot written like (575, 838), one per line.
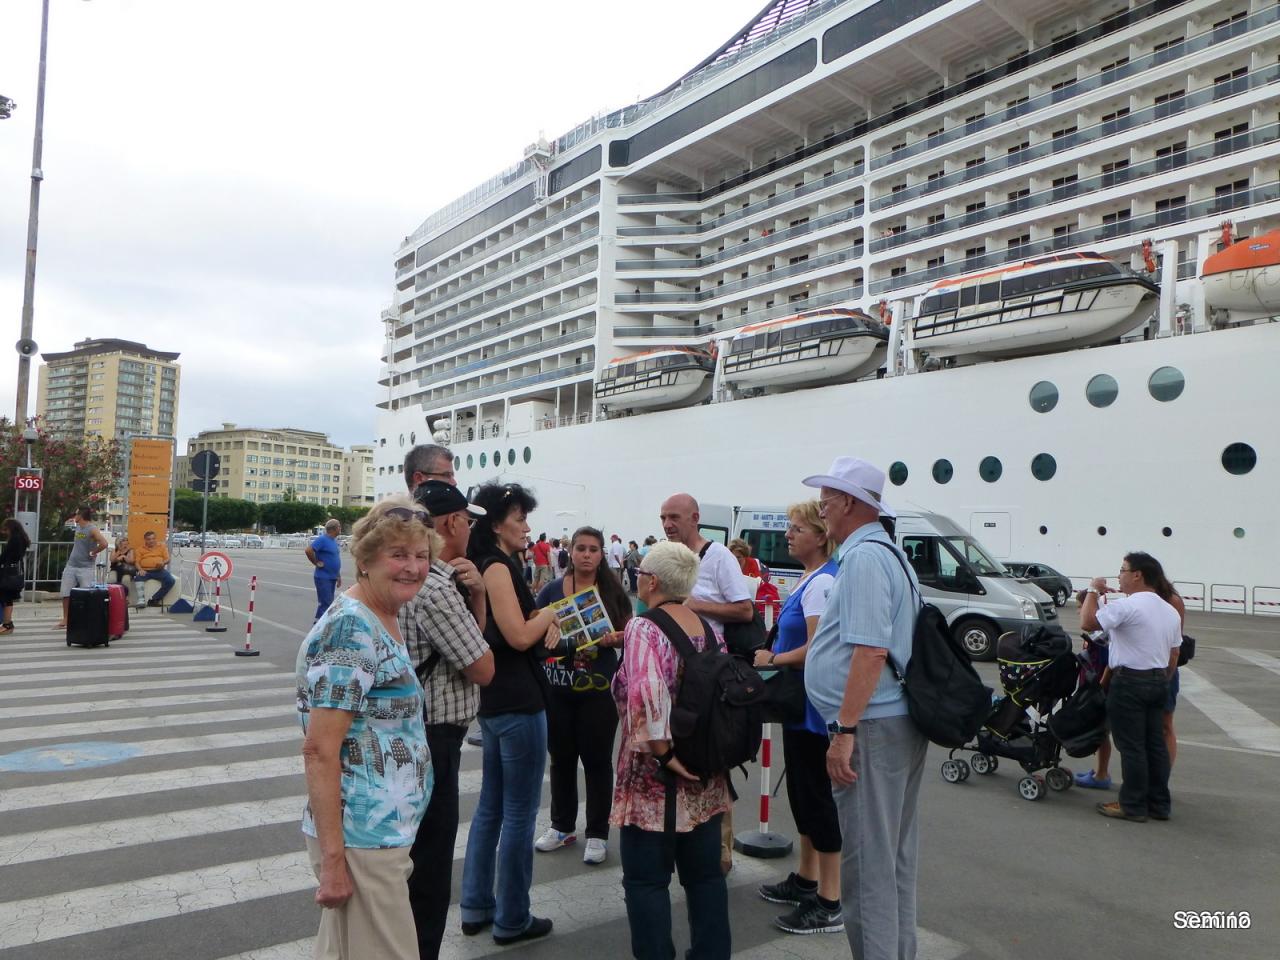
(150, 794)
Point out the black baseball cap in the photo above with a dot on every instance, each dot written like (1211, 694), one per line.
(440, 498)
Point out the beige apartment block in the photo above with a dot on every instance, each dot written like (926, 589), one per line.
(357, 476)
(110, 389)
(260, 464)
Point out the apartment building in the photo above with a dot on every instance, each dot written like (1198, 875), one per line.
(261, 464)
(109, 388)
(357, 476)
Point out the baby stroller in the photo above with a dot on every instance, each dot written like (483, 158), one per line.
(1041, 678)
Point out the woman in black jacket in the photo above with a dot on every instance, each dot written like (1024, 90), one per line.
(11, 575)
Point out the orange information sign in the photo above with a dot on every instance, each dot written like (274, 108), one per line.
(150, 482)
(152, 458)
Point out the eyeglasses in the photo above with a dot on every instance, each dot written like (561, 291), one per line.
(645, 573)
(823, 501)
(405, 513)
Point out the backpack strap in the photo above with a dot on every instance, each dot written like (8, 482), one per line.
(910, 583)
(428, 667)
(675, 633)
(705, 547)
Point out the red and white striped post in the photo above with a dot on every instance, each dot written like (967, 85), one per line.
(763, 843)
(248, 650)
(217, 609)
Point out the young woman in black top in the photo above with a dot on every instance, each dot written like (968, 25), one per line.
(15, 548)
(514, 723)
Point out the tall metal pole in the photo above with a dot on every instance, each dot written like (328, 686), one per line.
(33, 222)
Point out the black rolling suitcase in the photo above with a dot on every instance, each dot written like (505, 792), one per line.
(87, 617)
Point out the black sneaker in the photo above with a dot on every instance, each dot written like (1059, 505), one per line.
(788, 891)
(811, 917)
(538, 927)
(471, 927)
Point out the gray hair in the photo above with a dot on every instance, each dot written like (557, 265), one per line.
(422, 458)
(674, 566)
(333, 524)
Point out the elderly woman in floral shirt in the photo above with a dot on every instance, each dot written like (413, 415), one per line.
(644, 688)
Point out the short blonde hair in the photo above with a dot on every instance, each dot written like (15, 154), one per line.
(739, 547)
(806, 512)
(674, 566)
(375, 531)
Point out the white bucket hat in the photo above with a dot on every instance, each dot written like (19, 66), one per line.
(857, 478)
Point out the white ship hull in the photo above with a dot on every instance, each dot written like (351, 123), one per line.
(852, 357)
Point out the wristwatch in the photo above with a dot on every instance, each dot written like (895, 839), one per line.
(835, 727)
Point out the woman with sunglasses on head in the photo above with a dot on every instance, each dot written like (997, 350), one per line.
(513, 720)
(366, 758)
(581, 716)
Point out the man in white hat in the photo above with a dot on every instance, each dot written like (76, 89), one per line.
(876, 756)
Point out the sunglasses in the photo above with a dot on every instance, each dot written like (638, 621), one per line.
(405, 513)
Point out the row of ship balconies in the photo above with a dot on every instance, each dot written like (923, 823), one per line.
(576, 363)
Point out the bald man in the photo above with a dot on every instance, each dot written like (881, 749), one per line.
(325, 556)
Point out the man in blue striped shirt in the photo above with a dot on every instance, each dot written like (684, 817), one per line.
(876, 756)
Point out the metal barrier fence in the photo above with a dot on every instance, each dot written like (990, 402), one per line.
(1266, 601)
(1227, 598)
(1193, 595)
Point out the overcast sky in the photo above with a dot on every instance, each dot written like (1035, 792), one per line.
(230, 178)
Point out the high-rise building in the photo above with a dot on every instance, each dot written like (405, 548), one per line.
(109, 388)
(357, 476)
(261, 464)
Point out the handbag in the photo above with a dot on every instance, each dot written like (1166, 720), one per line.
(1187, 651)
(12, 579)
(784, 697)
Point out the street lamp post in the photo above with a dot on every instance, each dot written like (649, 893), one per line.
(26, 346)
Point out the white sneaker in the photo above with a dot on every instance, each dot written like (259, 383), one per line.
(596, 851)
(553, 839)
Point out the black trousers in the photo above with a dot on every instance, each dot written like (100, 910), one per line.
(1135, 711)
(432, 851)
(580, 727)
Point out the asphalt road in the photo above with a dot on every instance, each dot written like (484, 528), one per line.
(183, 841)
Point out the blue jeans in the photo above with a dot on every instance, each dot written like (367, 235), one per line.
(324, 594)
(501, 838)
(646, 884)
(163, 575)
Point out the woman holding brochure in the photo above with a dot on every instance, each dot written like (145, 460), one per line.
(581, 716)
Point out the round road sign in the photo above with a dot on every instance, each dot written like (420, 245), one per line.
(214, 565)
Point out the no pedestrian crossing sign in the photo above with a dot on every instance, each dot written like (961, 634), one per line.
(214, 565)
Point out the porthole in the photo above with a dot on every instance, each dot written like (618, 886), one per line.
(1238, 533)
(528, 454)
(990, 469)
(1102, 531)
(483, 459)
(1102, 390)
(1239, 459)
(511, 457)
(1043, 466)
(497, 458)
(898, 473)
(470, 461)
(1166, 531)
(457, 463)
(943, 471)
(402, 439)
(1043, 397)
(413, 439)
(1166, 384)
(1043, 529)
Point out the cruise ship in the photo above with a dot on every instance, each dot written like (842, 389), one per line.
(1019, 196)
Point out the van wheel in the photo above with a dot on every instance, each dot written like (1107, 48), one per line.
(1060, 597)
(978, 638)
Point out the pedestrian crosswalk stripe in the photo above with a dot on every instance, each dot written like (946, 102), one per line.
(1238, 721)
(69, 670)
(293, 950)
(245, 675)
(123, 671)
(138, 703)
(1258, 659)
(156, 781)
(101, 728)
(60, 654)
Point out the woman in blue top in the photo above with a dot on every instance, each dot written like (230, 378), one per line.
(367, 763)
(814, 888)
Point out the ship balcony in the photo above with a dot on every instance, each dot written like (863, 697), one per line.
(547, 345)
(503, 272)
(515, 295)
(559, 311)
(494, 389)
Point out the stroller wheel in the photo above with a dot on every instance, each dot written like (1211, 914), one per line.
(1030, 788)
(964, 770)
(982, 763)
(951, 771)
(1058, 779)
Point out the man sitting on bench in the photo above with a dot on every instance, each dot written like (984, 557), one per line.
(153, 564)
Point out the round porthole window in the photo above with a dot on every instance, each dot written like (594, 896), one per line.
(898, 473)
(990, 469)
(1043, 466)
(483, 458)
(470, 461)
(1166, 384)
(457, 463)
(943, 471)
(497, 458)
(1238, 533)
(528, 454)
(413, 439)
(511, 457)
(1239, 459)
(402, 439)
(1043, 397)
(1102, 531)
(1102, 390)
(1043, 529)
(1166, 531)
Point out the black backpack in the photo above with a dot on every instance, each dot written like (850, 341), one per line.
(945, 696)
(563, 558)
(717, 714)
(743, 639)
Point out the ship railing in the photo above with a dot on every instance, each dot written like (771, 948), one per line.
(585, 333)
(444, 303)
(1266, 601)
(1076, 88)
(500, 387)
(845, 296)
(1139, 118)
(1205, 151)
(554, 423)
(428, 281)
(510, 326)
(1210, 207)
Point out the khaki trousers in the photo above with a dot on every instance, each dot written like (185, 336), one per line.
(376, 923)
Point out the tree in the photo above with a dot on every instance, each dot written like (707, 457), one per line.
(292, 516)
(290, 495)
(346, 515)
(225, 513)
(78, 471)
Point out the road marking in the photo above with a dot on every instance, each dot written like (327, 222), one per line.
(136, 703)
(156, 781)
(258, 618)
(1238, 721)
(53, 670)
(123, 670)
(89, 689)
(290, 586)
(58, 655)
(99, 728)
(1182, 741)
(1258, 659)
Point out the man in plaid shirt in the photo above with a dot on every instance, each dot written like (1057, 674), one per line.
(442, 628)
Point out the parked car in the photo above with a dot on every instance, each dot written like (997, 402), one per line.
(253, 541)
(180, 539)
(1043, 576)
(229, 542)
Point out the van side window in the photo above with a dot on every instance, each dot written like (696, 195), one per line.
(719, 534)
(922, 553)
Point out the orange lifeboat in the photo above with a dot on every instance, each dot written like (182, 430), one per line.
(1245, 277)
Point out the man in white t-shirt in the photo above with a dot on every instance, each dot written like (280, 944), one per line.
(1144, 636)
(616, 552)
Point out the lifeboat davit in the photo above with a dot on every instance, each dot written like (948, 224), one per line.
(806, 350)
(1049, 303)
(656, 379)
(1245, 277)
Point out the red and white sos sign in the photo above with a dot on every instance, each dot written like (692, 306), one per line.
(28, 481)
